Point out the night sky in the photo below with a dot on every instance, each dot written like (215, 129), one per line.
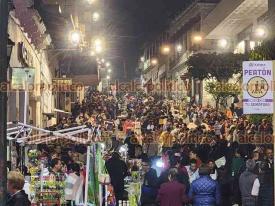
(128, 24)
(131, 23)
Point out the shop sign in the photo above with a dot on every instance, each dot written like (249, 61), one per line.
(22, 77)
(62, 84)
(257, 87)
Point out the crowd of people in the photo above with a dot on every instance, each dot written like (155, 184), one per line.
(190, 143)
(208, 157)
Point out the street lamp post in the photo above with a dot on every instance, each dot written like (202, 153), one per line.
(3, 99)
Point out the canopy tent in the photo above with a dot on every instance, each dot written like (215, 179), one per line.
(29, 134)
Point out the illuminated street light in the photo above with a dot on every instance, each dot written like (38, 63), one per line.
(98, 45)
(142, 59)
(223, 43)
(108, 64)
(109, 70)
(179, 48)
(108, 77)
(261, 32)
(197, 38)
(98, 42)
(165, 50)
(96, 16)
(92, 53)
(102, 60)
(75, 37)
(154, 61)
(91, 1)
(98, 49)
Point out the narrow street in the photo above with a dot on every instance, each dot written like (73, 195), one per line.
(137, 103)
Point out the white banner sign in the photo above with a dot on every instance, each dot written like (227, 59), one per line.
(257, 87)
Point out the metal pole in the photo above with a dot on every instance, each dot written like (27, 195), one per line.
(26, 98)
(3, 99)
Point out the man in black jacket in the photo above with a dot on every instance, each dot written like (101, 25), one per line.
(149, 186)
(117, 170)
(17, 196)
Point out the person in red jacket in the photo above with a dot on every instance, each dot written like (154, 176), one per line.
(172, 192)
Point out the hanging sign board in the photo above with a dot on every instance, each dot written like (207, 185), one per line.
(257, 87)
(22, 77)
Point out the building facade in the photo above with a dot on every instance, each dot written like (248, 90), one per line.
(39, 100)
(211, 26)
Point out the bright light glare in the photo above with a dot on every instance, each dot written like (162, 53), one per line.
(102, 60)
(165, 49)
(223, 43)
(160, 163)
(75, 37)
(98, 42)
(197, 38)
(260, 32)
(108, 64)
(98, 46)
(96, 16)
(92, 53)
(108, 77)
(122, 149)
(179, 48)
(102, 146)
(142, 59)
(109, 70)
(154, 61)
(98, 49)
(91, 1)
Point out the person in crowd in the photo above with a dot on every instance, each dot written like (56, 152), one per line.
(149, 186)
(182, 175)
(74, 186)
(213, 171)
(172, 192)
(194, 155)
(56, 170)
(237, 167)
(249, 185)
(167, 139)
(131, 142)
(266, 177)
(204, 191)
(115, 144)
(67, 158)
(17, 196)
(192, 170)
(225, 183)
(117, 170)
(217, 129)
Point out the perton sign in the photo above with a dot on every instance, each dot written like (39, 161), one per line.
(256, 72)
(258, 78)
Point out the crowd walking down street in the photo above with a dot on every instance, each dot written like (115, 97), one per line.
(137, 103)
(193, 158)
